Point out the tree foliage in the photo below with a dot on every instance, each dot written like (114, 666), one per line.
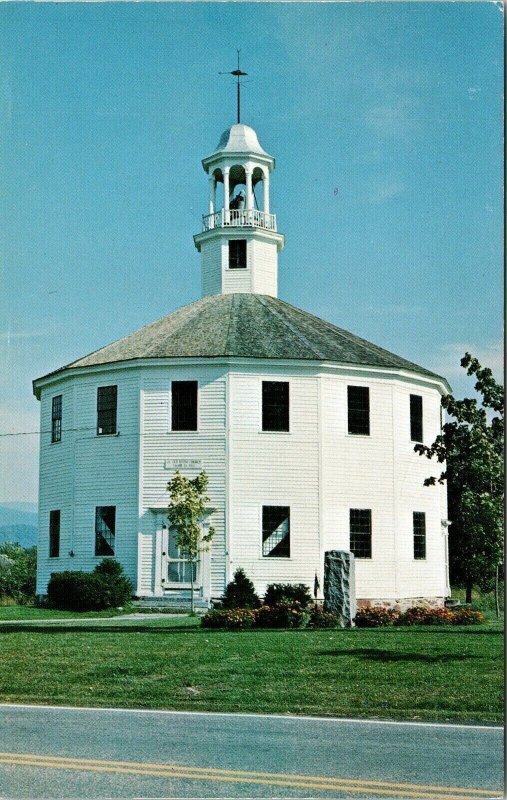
(18, 566)
(187, 509)
(471, 448)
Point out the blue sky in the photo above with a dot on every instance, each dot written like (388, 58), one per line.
(386, 123)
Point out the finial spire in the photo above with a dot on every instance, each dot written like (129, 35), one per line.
(237, 74)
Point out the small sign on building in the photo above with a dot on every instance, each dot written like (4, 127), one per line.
(183, 463)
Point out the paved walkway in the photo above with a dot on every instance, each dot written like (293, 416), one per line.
(80, 620)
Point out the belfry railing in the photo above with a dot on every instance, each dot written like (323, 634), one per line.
(239, 218)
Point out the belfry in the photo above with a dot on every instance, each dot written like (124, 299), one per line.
(239, 243)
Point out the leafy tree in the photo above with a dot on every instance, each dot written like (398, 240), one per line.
(471, 445)
(187, 508)
(18, 566)
(240, 592)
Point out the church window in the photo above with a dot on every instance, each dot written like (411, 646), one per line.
(105, 524)
(276, 531)
(360, 532)
(107, 401)
(275, 406)
(419, 534)
(56, 418)
(237, 254)
(184, 406)
(358, 399)
(416, 417)
(54, 533)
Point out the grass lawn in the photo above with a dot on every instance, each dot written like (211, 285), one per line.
(435, 673)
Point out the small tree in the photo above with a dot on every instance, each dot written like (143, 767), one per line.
(240, 592)
(187, 507)
(471, 445)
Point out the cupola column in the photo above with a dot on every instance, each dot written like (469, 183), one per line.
(212, 194)
(226, 188)
(265, 184)
(249, 192)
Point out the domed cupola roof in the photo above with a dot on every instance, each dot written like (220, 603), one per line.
(240, 138)
(245, 326)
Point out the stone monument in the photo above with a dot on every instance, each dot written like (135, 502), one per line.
(340, 585)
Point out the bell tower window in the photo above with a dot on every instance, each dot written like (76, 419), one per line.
(237, 254)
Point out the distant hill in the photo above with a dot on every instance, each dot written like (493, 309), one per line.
(25, 535)
(19, 523)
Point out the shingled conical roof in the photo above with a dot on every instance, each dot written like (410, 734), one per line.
(245, 326)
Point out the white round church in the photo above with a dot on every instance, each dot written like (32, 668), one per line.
(306, 431)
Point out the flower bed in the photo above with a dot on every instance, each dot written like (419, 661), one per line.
(377, 617)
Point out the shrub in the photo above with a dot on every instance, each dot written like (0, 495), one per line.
(240, 592)
(282, 615)
(376, 617)
(466, 616)
(106, 587)
(232, 619)
(277, 593)
(319, 618)
(18, 566)
(418, 615)
(116, 587)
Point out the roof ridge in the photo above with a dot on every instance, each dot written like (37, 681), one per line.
(264, 301)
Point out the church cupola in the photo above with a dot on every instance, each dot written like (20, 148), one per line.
(239, 242)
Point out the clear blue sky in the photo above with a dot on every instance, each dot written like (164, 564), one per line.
(386, 123)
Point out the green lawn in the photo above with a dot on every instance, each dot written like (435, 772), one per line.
(435, 673)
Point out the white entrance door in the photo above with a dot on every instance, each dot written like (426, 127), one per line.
(176, 569)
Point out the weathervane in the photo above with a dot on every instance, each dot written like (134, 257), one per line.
(237, 74)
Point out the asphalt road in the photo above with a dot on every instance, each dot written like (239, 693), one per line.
(54, 753)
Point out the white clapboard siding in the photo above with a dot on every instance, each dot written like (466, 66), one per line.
(236, 280)
(265, 273)
(316, 469)
(211, 267)
(56, 480)
(383, 473)
(206, 446)
(267, 468)
(146, 556)
(99, 471)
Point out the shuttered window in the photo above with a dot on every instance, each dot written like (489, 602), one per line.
(107, 401)
(54, 533)
(276, 531)
(360, 532)
(105, 530)
(358, 401)
(275, 406)
(184, 406)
